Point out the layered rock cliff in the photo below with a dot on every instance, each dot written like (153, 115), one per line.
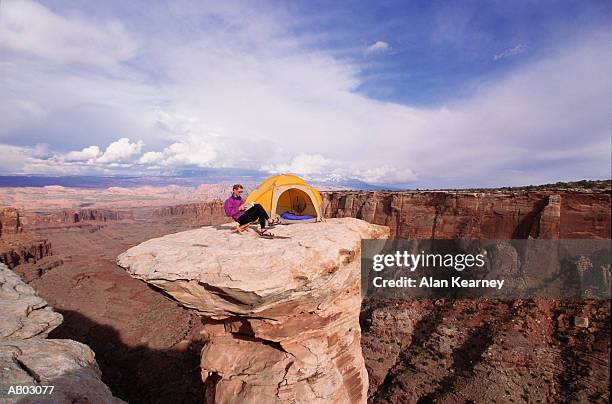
(205, 213)
(486, 215)
(27, 358)
(492, 214)
(281, 316)
(73, 216)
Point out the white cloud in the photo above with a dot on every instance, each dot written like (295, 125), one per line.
(193, 151)
(318, 167)
(304, 164)
(120, 151)
(13, 158)
(378, 46)
(151, 158)
(386, 174)
(35, 159)
(88, 153)
(33, 29)
(516, 50)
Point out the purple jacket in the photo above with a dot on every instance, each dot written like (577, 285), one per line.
(231, 206)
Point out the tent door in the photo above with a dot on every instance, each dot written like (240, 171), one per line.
(294, 200)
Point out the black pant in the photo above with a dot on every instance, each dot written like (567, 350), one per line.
(257, 212)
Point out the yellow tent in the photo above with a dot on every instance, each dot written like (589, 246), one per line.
(287, 193)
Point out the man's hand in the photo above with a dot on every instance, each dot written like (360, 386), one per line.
(241, 207)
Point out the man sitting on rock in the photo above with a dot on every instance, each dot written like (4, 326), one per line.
(235, 208)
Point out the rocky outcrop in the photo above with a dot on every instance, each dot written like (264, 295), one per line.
(486, 215)
(28, 359)
(69, 366)
(281, 316)
(10, 222)
(205, 213)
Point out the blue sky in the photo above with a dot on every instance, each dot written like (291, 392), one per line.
(440, 51)
(421, 94)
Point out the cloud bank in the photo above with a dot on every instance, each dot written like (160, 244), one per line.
(86, 95)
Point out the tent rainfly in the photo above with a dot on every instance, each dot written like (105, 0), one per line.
(287, 193)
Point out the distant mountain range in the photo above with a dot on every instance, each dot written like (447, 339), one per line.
(184, 178)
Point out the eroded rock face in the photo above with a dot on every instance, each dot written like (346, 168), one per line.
(10, 221)
(281, 315)
(203, 213)
(27, 358)
(23, 249)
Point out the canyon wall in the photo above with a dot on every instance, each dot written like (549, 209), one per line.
(281, 316)
(73, 216)
(493, 214)
(484, 350)
(485, 215)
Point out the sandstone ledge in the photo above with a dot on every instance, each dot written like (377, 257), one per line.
(282, 315)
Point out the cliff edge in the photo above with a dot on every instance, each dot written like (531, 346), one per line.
(281, 316)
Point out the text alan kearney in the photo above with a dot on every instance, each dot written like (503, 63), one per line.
(431, 282)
